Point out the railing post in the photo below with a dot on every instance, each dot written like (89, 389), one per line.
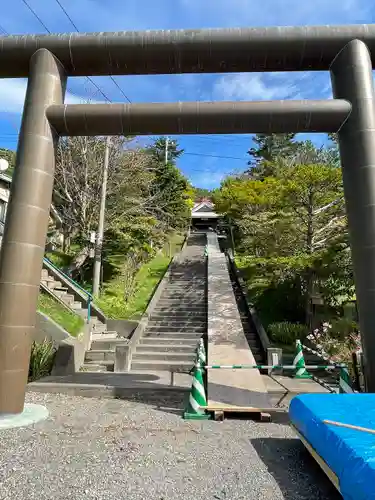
(88, 309)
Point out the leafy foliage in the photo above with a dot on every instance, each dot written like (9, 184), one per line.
(287, 333)
(146, 198)
(127, 294)
(200, 193)
(290, 229)
(10, 156)
(41, 360)
(269, 147)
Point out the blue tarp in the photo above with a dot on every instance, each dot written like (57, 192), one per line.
(350, 454)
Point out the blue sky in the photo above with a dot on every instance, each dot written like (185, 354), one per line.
(204, 161)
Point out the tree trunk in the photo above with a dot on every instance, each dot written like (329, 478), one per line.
(66, 241)
(78, 261)
(309, 293)
(310, 272)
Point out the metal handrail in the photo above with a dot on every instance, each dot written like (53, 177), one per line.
(90, 297)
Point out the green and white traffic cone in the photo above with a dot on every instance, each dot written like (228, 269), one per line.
(197, 398)
(201, 353)
(299, 362)
(345, 383)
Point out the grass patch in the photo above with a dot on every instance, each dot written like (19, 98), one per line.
(71, 322)
(112, 301)
(59, 259)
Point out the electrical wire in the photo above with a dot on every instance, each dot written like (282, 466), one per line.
(77, 30)
(36, 15)
(117, 85)
(48, 31)
(216, 156)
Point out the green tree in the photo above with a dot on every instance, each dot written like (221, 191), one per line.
(287, 223)
(200, 193)
(162, 146)
(10, 156)
(312, 195)
(269, 147)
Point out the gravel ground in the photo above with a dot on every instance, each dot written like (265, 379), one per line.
(105, 449)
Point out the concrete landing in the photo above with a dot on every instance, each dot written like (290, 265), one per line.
(282, 389)
(112, 385)
(227, 344)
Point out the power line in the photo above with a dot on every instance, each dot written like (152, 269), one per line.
(48, 31)
(216, 156)
(67, 15)
(76, 28)
(36, 15)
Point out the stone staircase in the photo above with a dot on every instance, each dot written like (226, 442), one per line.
(179, 319)
(64, 291)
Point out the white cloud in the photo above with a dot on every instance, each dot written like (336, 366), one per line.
(279, 13)
(253, 87)
(12, 96)
(207, 179)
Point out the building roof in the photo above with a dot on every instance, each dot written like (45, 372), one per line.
(204, 209)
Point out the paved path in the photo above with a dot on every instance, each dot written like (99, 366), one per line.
(111, 449)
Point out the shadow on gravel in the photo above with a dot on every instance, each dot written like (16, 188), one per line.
(294, 469)
(167, 400)
(141, 388)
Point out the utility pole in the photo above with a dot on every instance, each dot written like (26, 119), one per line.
(99, 236)
(166, 150)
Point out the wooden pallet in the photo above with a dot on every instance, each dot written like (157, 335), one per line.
(323, 465)
(262, 414)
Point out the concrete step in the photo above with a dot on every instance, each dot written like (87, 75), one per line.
(188, 288)
(76, 305)
(181, 329)
(169, 340)
(66, 297)
(47, 278)
(253, 345)
(192, 284)
(99, 327)
(181, 292)
(177, 324)
(178, 316)
(99, 355)
(169, 347)
(175, 366)
(44, 273)
(103, 366)
(182, 300)
(54, 284)
(176, 308)
(164, 356)
(105, 336)
(186, 285)
(174, 334)
(103, 344)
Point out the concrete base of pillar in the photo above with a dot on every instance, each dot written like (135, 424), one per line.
(31, 414)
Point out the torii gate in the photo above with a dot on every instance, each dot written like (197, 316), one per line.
(48, 60)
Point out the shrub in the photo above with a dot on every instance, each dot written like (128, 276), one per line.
(287, 333)
(342, 328)
(41, 359)
(337, 340)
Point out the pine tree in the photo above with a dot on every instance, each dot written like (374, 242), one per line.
(269, 147)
